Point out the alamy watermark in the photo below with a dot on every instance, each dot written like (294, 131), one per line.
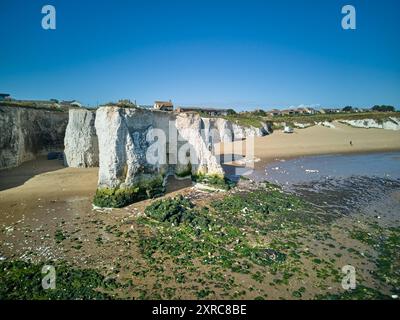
(175, 146)
(349, 280)
(49, 280)
(349, 21)
(49, 20)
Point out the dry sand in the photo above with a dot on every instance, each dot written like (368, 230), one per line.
(318, 140)
(45, 179)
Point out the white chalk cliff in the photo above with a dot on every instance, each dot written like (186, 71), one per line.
(126, 144)
(137, 149)
(119, 141)
(27, 133)
(389, 124)
(81, 145)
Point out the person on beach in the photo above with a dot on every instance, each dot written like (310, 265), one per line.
(351, 143)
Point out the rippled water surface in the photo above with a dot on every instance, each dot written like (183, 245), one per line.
(367, 183)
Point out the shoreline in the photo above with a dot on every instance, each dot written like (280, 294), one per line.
(314, 141)
(264, 162)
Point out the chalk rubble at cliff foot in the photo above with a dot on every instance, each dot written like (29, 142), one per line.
(81, 143)
(138, 149)
(28, 132)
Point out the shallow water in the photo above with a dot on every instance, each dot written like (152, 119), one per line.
(342, 184)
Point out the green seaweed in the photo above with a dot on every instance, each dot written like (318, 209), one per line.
(176, 211)
(214, 180)
(360, 293)
(21, 280)
(122, 197)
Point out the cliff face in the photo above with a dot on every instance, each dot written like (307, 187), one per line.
(81, 143)
(136, 149)
(27, 132)
(137, 145)
(389, 124)
(223, 130)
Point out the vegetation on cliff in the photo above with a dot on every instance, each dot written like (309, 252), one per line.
(121, 197)
(34, 105)
(378, 116)
(257, 118)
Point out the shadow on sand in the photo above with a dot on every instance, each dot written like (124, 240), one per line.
(233, 171)
(174, 184)
(14, 177)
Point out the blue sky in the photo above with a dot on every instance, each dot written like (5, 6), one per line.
(241, 54)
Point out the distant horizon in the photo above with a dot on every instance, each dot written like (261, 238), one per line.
(242, 55)
(267, 108)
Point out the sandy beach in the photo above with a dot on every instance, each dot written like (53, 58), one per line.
(49, 179)
(317, 140)
(46, 214)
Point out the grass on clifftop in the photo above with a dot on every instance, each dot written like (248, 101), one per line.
(247, 120)
(378, 116)
(253, 120)
(33, 105)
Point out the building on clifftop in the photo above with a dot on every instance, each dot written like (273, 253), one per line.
(164, 105)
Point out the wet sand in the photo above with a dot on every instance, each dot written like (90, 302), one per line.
(317, 140)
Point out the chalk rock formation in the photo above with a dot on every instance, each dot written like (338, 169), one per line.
(217, 130)
(81, 144)
(122, 144)
(222, 130)
(28, 132)
(240, 132)
(389, 124)
(326, 124)
(302, 125)
(138, 148)
(129, 154)
(191, 127)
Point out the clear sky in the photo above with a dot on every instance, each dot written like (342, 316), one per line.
(242, 54)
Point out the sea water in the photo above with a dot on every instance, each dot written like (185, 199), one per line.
(344, 184)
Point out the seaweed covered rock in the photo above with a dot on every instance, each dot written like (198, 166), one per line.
(214, 180)
(177, 211)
